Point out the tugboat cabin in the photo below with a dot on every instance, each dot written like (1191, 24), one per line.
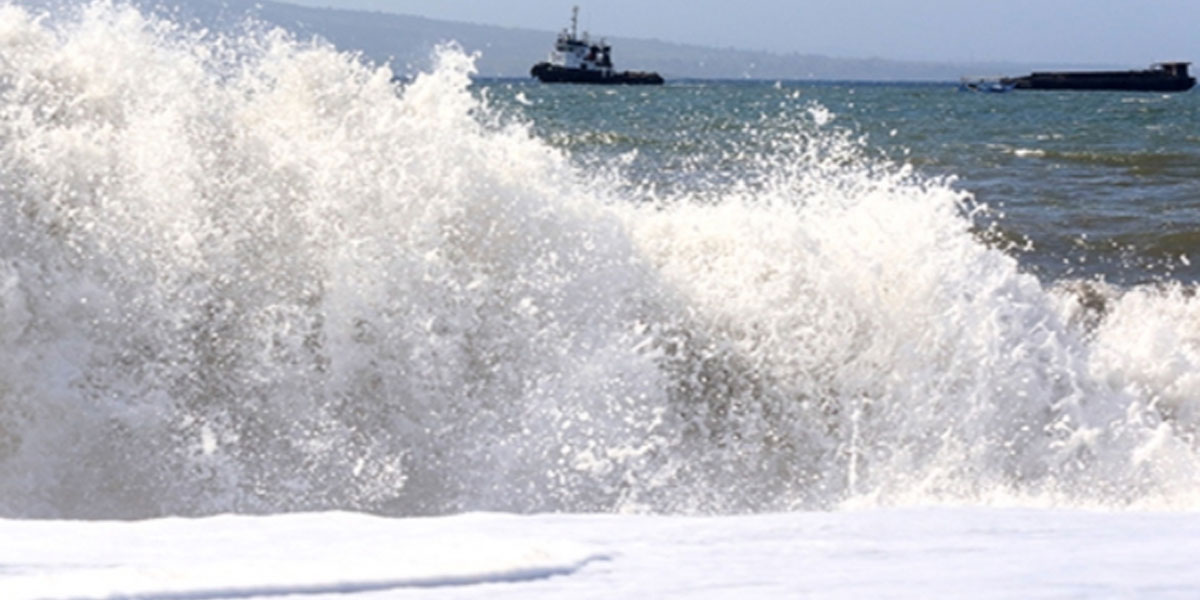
(573, 52)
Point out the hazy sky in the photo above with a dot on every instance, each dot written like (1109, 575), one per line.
(1119, 32)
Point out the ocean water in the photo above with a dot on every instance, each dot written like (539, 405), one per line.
(712, 339)
(245, 273)
(1098, 186)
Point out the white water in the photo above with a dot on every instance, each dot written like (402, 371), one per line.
(880, 553)
(250, 274)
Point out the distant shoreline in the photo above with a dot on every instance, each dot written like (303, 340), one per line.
(407, 41)
(756, 81)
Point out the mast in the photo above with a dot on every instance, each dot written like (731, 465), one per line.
(574, 22)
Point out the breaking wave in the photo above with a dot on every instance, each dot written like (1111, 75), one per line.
(247, 273)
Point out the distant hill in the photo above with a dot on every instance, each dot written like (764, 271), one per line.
(406, 42)
(505, 52)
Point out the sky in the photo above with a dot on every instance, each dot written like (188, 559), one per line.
(1114, 32)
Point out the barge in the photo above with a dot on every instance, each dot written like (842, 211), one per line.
(1160, 77)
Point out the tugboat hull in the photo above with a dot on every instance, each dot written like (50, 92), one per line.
(548, 73)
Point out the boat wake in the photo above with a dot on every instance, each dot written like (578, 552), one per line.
(245, 273)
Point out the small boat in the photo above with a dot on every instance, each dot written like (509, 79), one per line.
(576, 60)
(984, 84)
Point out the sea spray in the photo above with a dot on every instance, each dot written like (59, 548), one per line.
(248, 273)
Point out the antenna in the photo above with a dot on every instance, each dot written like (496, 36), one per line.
(574, 21)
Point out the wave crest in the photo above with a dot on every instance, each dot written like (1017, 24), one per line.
(245, 273)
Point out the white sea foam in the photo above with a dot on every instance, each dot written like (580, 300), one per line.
(330, 554)
(910, 553)
(251, 274)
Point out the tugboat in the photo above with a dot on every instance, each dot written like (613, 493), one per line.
(576, 60)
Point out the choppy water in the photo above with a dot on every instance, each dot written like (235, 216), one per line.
(242, 273)
(1088, 185)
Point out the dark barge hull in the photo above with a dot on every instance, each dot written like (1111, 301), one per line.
(548, 73)
(1173, 78)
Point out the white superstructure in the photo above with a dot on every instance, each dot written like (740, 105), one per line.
(572, 52)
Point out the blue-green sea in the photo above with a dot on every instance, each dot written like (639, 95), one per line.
(1078, 185)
